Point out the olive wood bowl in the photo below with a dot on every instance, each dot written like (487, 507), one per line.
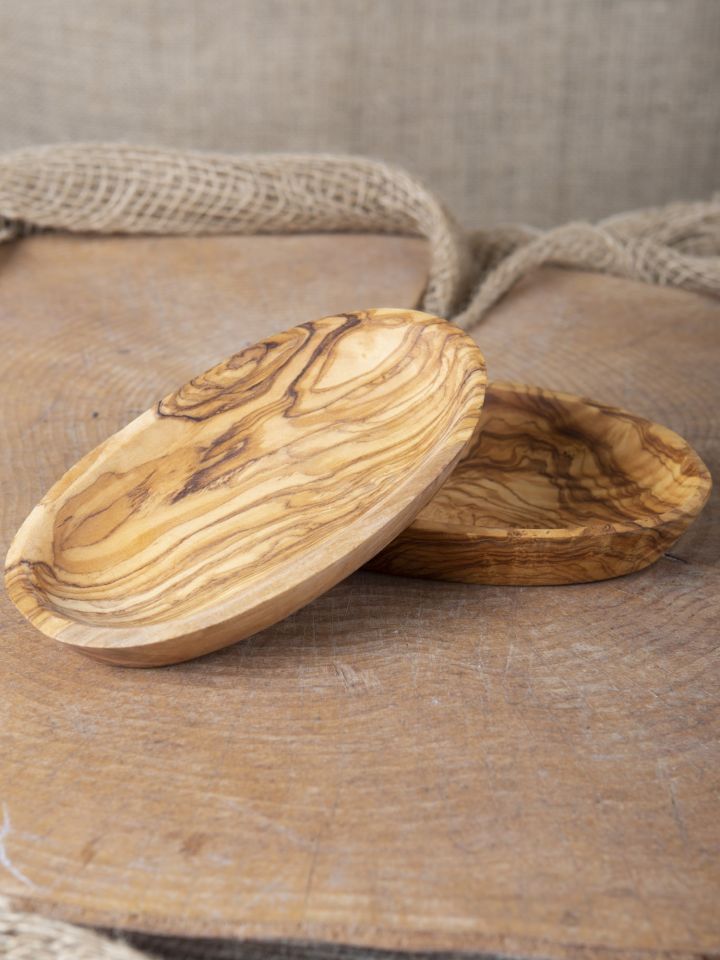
(250, 490)
(557, 489)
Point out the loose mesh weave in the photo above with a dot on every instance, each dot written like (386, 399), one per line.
(110, 188)
(115, 188)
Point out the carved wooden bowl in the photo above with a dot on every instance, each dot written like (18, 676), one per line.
(250, 490)
(557, 489)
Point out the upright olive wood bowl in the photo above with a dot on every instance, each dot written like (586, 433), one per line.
(558, 489)
(250, 490)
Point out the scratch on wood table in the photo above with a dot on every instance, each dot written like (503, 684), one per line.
(5, 860)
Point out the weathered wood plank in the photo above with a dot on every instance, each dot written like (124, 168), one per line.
(402, 764)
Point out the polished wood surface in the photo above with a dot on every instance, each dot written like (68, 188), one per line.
(403, 763)
(253, 488)
(556, 490)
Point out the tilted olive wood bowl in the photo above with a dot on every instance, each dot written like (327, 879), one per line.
(557, 489)
(250, 490)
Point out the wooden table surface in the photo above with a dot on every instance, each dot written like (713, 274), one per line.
(402, 764)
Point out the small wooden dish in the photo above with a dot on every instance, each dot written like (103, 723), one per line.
(251, 490)
(558, 489)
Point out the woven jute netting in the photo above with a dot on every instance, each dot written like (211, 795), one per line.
(112, 188)
(115, 188)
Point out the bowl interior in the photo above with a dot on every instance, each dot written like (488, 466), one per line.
(552, 461)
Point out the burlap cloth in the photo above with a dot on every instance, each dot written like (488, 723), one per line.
(112, 188)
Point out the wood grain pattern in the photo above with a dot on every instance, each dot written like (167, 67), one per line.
(404, 764)
(556, 490)
(250, 490)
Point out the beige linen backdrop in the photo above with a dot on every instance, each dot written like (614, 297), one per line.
(535, 111)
